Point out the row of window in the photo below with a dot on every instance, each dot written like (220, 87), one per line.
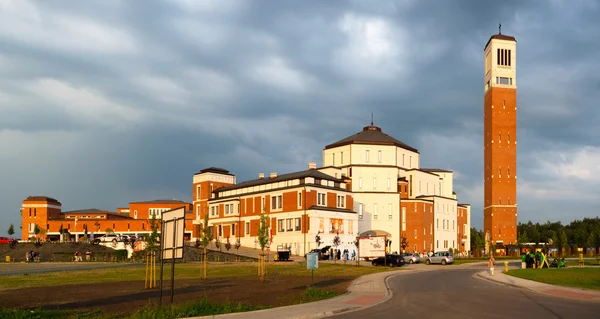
(503, 57)
(504, 81)
(445, 224)
(289, 225)
(375, 211)
(360, 183)
(368, 158)
(445, 243)
(500, 138)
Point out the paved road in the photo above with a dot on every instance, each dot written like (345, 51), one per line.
(454, 292)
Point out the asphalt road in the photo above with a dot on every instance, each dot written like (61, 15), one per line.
(454, 292)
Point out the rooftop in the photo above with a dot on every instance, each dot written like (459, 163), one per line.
(434, 170)
(42, 198)
(217, 170)
(499, 36)
(280, 178)
(161, 201)
(371, 135)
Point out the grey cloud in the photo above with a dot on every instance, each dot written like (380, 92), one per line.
(232, 119)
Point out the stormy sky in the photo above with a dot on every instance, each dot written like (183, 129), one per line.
(107, 102)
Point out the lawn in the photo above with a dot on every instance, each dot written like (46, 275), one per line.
(460, 261)
(588, 278)
(182, 271)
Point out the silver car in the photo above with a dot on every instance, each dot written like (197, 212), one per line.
(412, 258)
(440, 257)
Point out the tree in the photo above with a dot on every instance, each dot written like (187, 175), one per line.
(11, 230)
(522, 240)
(36, 230)
(562, 241)
(477, 241)
(152, 240)
(318, 239)
(205, 239)
(591, 242)
(403, 242)
(336, 242)
(109, 230)
(263, 241)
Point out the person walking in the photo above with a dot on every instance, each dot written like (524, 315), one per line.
(491, 264)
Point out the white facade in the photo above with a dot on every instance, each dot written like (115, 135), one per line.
(445, 224)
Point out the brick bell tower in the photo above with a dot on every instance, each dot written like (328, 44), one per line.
(500, 139)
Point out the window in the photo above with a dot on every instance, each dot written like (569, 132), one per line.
(508, 138)
(298, 224)
(262, 205)
(499, 202)
(333, 159)
(415, 233)
(226, 209)
(452, 225)
(499, 137)
(402, 160)
(375, 211)
(321, 199)
(509, 201)
(35, 212)
(135, 214)
(299, 199)
(410, 161)
(280, 225)
(288, 224)
(437, 244)
(276, 201)
(198, 192)
(247, 228)
(367, 156)
(379, 156)
(211, 190)
(503, 81)
(360, 182)
(341, 157)
(388, 183)
(438, 223)
(374, 182)
(403, 219)
(232, 229)
(340, 201)
(503, 57)
(499, 172)
(508, 172)
(360, 211)
(390, 211)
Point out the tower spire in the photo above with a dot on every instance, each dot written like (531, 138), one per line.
(500, 28)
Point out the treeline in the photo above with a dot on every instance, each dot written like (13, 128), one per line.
(579, 233)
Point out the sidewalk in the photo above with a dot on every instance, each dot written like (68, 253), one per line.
(363, 292)
(539, 287)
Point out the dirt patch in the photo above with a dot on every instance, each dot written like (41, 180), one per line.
(125, 297)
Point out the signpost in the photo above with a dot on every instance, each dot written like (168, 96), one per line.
(312, 262)
(171, 243)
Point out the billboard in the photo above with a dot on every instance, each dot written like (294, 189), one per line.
(371, 247)
(172, 233)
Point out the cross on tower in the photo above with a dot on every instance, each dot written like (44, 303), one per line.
(500, 28)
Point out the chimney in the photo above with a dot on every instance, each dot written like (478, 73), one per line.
(273, 175)
(312, 165)
(261, 175)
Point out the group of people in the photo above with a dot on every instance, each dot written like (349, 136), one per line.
(32, 256)
(532, 260)
(338, 254)
(78, 256)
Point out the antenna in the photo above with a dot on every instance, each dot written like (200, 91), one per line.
(500, 28)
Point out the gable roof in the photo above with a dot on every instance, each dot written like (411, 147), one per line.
(217, 170)
(280, 178)
(371, 135)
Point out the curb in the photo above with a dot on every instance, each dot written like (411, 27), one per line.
(581, 290)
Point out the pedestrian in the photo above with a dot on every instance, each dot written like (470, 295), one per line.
(88, 253)
(339, 254)
(523, 261)
(491, 264)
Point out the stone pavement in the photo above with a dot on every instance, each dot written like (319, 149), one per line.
(363, 292)
(539, 287)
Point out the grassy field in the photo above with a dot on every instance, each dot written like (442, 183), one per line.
(137, 272)
(588, 278)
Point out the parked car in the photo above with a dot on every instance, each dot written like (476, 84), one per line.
(440, 257)
(323, 252)
(390, 260)
(4, 240)
(413, 258)
(108, 238)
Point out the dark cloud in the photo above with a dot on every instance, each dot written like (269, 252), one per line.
(108, 102)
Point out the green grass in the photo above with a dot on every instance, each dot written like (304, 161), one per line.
(182, 271)
(588, 278)
(460, 261)
(316, 294)
(201, 308)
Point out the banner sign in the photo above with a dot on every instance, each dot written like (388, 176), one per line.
(370, 247)
(312, 261)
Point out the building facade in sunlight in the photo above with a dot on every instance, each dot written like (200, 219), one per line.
(47, 214)
(369, 184)
(500, 140)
